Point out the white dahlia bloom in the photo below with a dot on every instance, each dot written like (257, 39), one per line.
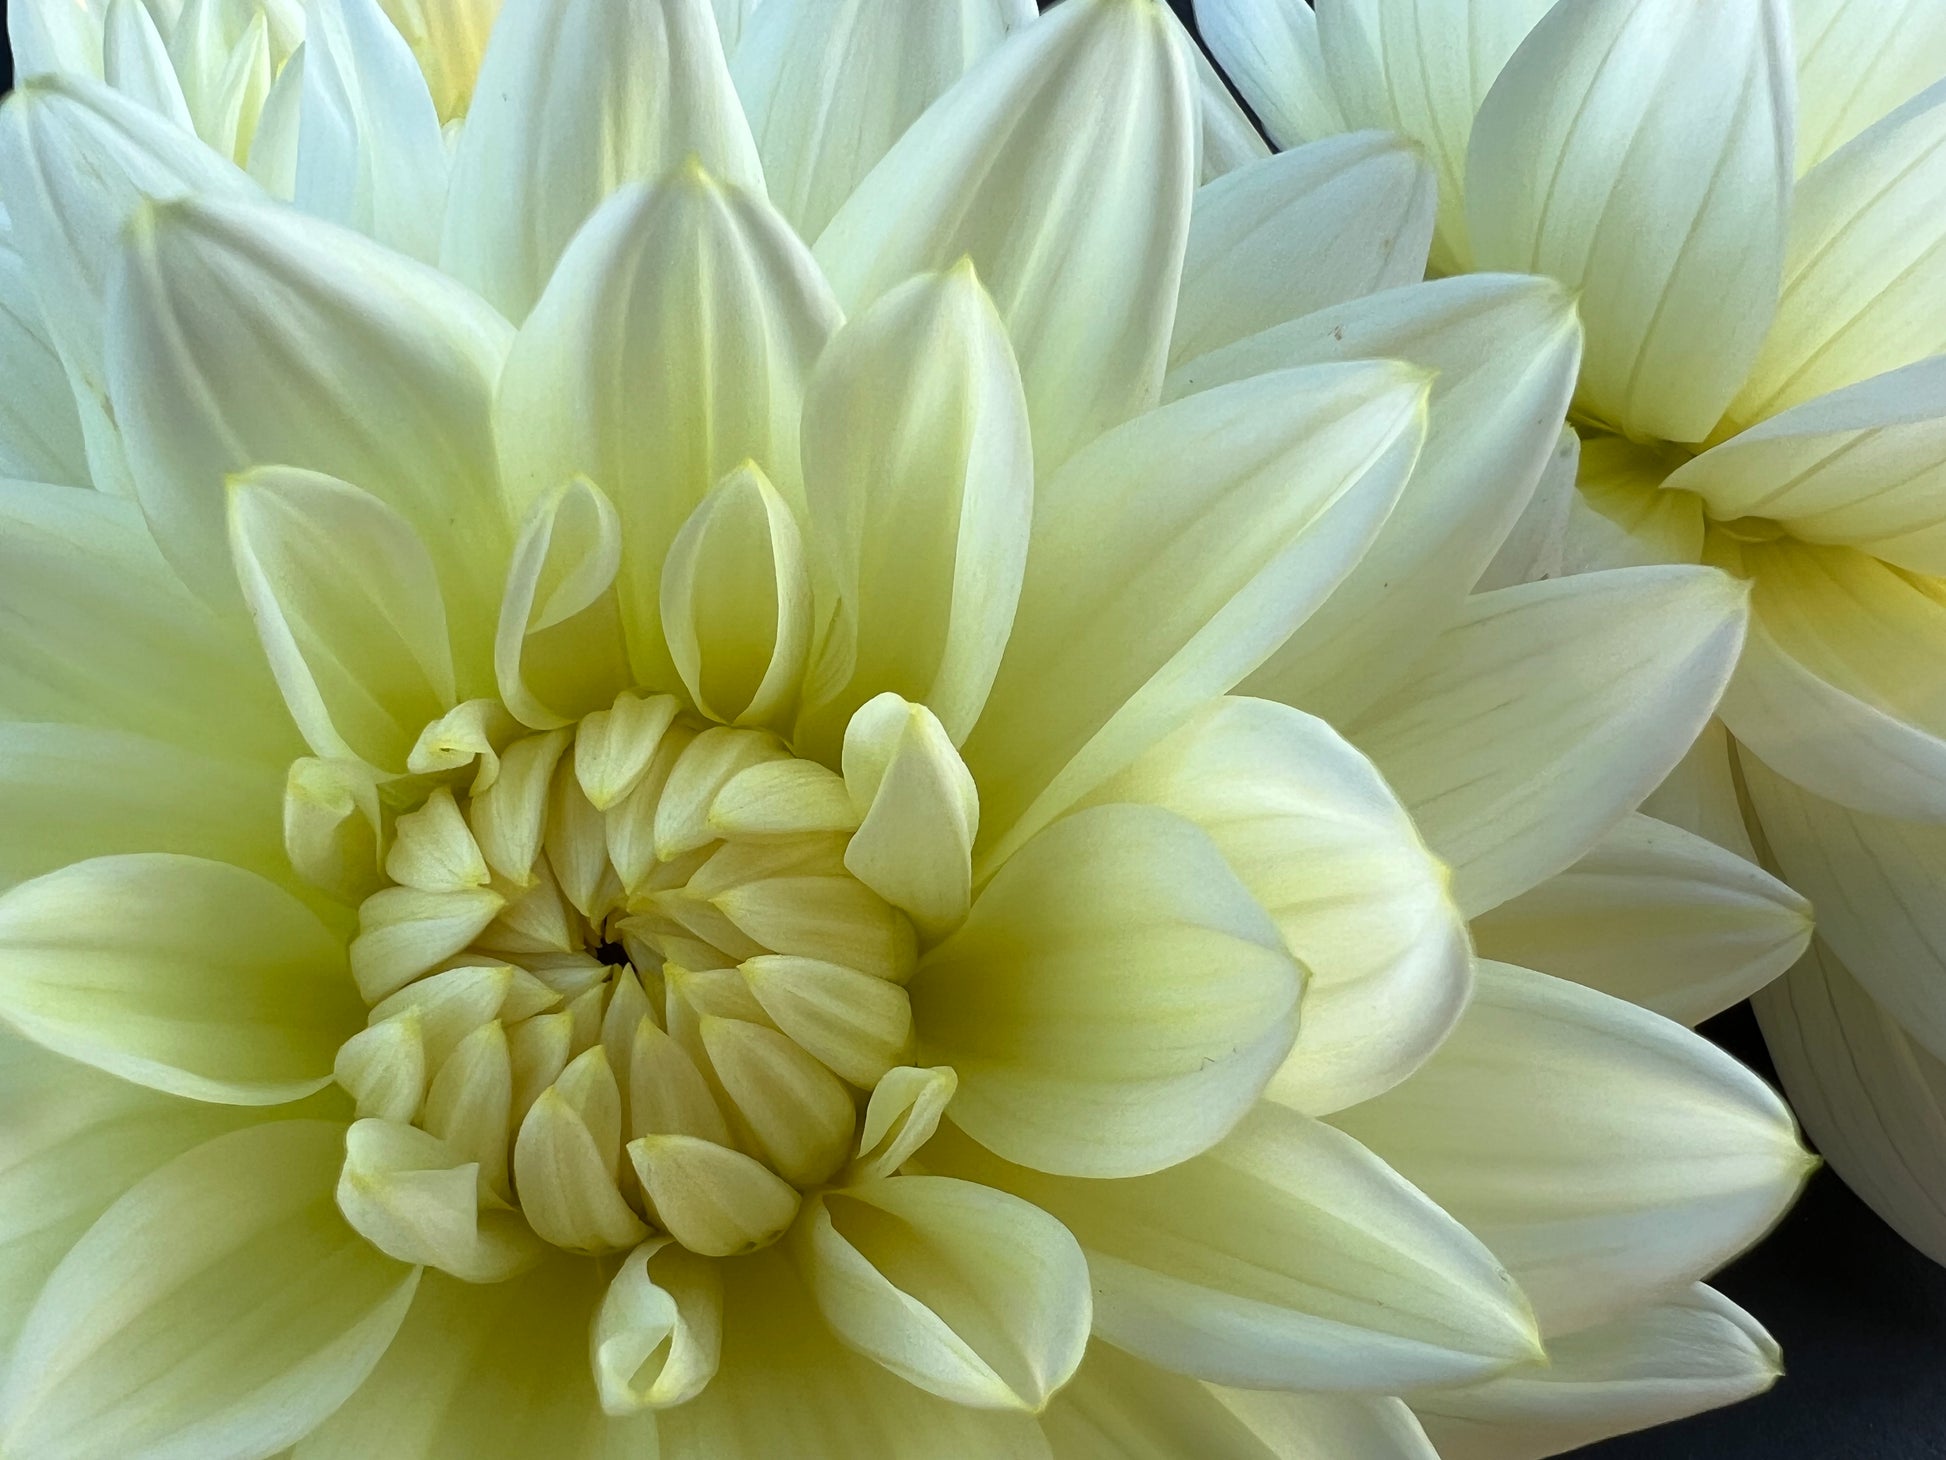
(1750, 198)
(632, 836)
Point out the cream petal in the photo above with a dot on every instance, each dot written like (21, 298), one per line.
(1657, 916)
(829, 86)
(40, 432)
(1321, 842)
(414, 1198)
(716, 1201)
(1693, 1352)
(919, 478)
(135, 62)
(921, 813)
(1607, 1155)
(273, 150)
(902, 1116)
(559, 648)
(221, 1308)
(1059, 1001)
(1325, 223)
(1640, 151)
(206, 981)
(672, 345)
(967, 1292)
(448, 38)
(1865, 274)
(243, 334)
(1226, 137)
(1856, 61)
(1286, 1256)
(1548, 712)
(1155, 584)
(1346, 1426)
(55, 35)
(1270, 50)
(1621, 518)
(1538, 545)
(1503, 353)
(1075, 213)
(332, 822)
(572, 101)
(1872, 1099)
(799, 1113)
(659, 1332)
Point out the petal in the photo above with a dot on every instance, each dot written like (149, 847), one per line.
(1350, 1426)
(347, 603)
(1873, 882)
(1549, 711)
(221, 1308)
(1865, 274)
(1114, 1002)
(1695, 1352)
(243, 335)
(1315, 834)
(921, 813)
(1169, 559)
(1606, 1154)
(1620, 516)
(717, 1201)
(1503, 352)
(188, 976)
(40, 433)
(99, 631)
(830, 85)
(369, 152)
(1538, 545)
(1839, 687)
(967, 1292)
(1856, 61)
(1273, 241)
(919, 475)
(1659, 917)
(785, 1386)
(1640, 151)
(135, 62)
(1286, 1256)
(1075, 213)
(659, 1333)
(55, 35)
(1121, 1408)
(572, 101)
(414, 1198)
(1872, 1099)
(1227, 139)
(1269, 49)
(672, 346)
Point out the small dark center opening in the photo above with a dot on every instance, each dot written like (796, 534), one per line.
(612, 954)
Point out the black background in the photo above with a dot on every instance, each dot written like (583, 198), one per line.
(1861, 1316)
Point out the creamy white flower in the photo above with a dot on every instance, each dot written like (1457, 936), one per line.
(629, 830)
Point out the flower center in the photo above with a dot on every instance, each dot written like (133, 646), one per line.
(625, 981)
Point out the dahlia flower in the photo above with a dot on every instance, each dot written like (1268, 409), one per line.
(631, 825)
(1750, 199)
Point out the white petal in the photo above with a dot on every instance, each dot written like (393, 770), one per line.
(1659, 917)
(659, 1333)
(414, 1198)
(1549, 711)
(241, 335)
(1318, 838)
(1640, 151)
(1226, 137)
(1269, 49)
(1856, 61)
(55, 35)
(1287, 1255)
(914, 844)
(220, 1309)
(1621, 518)
(184, 975)
(136, 63)
(1694, 1352)
(1538, 545)
(1060, 1001)
(40, 432)
(572, 101)
(1348, 1426)
(1075, 213)
(919, 477)
(1169, 559)
(1326, 223)
(559, 645)
(1607, 1155)
(967, 1292)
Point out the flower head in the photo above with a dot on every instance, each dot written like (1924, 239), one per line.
(633, 831)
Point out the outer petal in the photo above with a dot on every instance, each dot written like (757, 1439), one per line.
(1061, 1000)
(40, 434)
(1865, 277)
(920, 478)
(1695, 1352)
(1350, 1426)
(673, 345)
(1872, 1098)
(1659, 917)
(1169, 559)
(1505, 352)
(499, 1369)
(830, 85)
(1640, 151)
(1319, 839)
(1075, 213)
(574, 100)
(55, 35)
(220, 1309)
(1839, 688)
(188, 976)
(1269, 49)
(1856, 61)
(1606, 1154)
(1323, 224)
(1286, 1256)
(243, 335)
(1549, 711)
